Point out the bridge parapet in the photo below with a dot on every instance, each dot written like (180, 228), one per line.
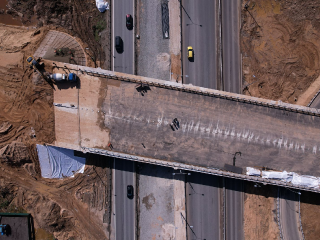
(190, 89)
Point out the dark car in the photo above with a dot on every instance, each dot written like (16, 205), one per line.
(129, 22)
(130, 192)
(119, 44)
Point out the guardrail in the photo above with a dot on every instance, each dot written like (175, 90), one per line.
(210, 93)
(316, 95)
(191, 89)
(278, 215)
(182, 166)
(300, 220)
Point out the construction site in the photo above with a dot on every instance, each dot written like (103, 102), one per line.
(61, 99)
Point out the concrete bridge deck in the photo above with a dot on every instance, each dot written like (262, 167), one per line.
(214, 125)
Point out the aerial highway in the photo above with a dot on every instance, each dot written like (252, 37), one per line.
(203, 206)
(234, 209)
(123, 62)
(289, 214)
(124, 175)
(231, 59)
(200, 30)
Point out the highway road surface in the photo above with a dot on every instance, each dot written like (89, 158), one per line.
(124, 175)
(231, 58)
(289, 215)
(316, 102)
(123, 62)
(234, 209)
(200, 30)
(203, 206)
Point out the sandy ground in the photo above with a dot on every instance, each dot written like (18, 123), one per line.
(260, 212)
(280, 48)
(310, 212)
(69, 207)
(79, 18)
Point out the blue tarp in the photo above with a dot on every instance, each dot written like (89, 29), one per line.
(58, 162)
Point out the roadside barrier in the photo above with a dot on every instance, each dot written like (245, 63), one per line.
(278, 215)
(208, 92)
(183, 166)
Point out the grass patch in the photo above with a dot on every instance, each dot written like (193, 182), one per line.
(98, 28)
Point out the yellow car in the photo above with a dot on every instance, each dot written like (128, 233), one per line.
(190, 52)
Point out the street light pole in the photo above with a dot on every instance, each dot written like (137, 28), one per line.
(188, 15)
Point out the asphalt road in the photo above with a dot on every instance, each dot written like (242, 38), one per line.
(124, 175)
(203, 70)
(316, 102)
(231, 58)
(203, 206)
(234, 209)
(123, 62)
(289, 216)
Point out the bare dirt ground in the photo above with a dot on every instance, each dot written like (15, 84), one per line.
(69, 208)
(260, 212)
(79, 18)
(310, 212)
(280, 49)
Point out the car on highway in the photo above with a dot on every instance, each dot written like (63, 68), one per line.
(129, 21)
(190, 53)
(119, 44)
(130, 191)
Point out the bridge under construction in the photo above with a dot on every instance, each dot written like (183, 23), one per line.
(131, 117)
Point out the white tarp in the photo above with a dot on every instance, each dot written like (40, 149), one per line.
(58, 162)
(253, 171)
(307, 181)
(276, 175)
(102, 6)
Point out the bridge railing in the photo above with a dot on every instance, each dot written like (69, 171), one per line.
(206, 92)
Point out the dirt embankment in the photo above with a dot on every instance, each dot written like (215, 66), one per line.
(79, 18)
(69, 208)
(26, 101)
(260, 212)
(280, 47)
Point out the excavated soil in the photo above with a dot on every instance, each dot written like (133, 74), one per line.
(280, 47)
(310, 212)
(260, 212)
(79, 18)
(74, 208)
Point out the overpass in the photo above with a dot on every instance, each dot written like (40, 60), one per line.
(134, 113)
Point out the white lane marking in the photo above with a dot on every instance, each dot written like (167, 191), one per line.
(112, 37)
(133, 31)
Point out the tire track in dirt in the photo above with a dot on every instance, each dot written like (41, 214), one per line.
(280, 55)
(61, 194)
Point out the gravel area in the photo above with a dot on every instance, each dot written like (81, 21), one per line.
(153, 57)
(156, 200)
